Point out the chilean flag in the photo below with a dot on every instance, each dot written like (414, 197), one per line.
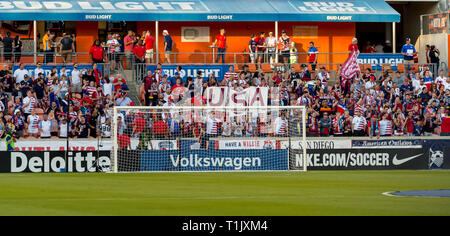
(341, 108)
(350, 68)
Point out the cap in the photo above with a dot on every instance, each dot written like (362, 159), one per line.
(177, 73)
(283, 32)
(323, 67)
(165, 32)
(17, 110)
(408, 39)
(388, 42)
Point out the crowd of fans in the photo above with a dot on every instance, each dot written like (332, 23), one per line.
(75, 104)
(414, 103)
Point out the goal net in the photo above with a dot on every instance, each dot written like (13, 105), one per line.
(149, 139)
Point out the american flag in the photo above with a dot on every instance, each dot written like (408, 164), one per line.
(350, 68)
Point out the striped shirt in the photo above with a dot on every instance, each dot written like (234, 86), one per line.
(211, 126)
(34, 122)
(230, 76)
(385, 127)
(90, 90)
(359, 123)
(281, 126)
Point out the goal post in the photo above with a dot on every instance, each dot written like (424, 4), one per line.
(208, 138)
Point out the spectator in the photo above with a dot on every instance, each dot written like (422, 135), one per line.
(17, 49)
(129, 42)
(313, 54)
(33, 124)
(260, 41)
(285, 43)
(139, 53)
(67, 45)
(387, 47)
(221, 44)
(252, 44)
(83, 130)
(149, 41)
(434, 58)
(271, 43)
(96, 52)
(168, 44)
(20, 73)
(7, 46)
(45, 126)
(75, 80)
(408, 52)
(113, 50)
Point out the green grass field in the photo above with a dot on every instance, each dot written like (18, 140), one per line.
(261, 193)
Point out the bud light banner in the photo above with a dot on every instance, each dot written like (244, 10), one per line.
(361, 159)
(378, 59)
(54, 161)
(191, 71)
(214, 160)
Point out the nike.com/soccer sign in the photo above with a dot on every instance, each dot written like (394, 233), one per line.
(361, 159)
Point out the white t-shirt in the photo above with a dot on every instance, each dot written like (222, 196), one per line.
(226, 129)
(76, 77)
(106, 130)
(20, 74)
(271, 42)
(37, 71)
(27, 109)
(63, 130)
(45, 126)
(441, 80)
(108, 89)
(237, 129)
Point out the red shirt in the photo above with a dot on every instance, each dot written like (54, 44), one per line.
(260, 42)
(117, 87)
(445, 126)
(97, 74)
(221, 41)
(149, 42)
(139, 51)
(97, 52)
(353, 48)
(123, 140)
(140, 124)
(160, 127)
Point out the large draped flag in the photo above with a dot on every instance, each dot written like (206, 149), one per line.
(350, 68)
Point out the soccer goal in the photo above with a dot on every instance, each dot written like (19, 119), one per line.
(174, 138)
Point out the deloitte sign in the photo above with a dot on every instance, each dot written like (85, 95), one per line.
(54, 161)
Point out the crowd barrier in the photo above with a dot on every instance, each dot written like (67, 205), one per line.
(92, 155)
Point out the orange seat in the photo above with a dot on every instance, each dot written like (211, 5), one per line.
(266, 68)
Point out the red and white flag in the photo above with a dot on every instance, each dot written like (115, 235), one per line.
(350, 68)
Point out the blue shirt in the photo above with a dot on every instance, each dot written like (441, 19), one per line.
(408, 49)
(168, 41)
(252, 43)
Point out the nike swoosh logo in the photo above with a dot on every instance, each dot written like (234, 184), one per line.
(397, 162)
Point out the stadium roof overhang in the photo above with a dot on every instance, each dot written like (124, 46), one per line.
(200, 10)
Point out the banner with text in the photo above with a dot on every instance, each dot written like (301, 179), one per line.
(360, 159)
(55, 161)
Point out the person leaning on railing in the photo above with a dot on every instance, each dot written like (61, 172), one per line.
(96, 52)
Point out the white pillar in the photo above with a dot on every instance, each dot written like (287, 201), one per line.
(35, 41)
(394, 38)
(157, 41)
(276, 37)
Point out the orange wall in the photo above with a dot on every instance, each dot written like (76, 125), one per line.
(87, 32)
(331, 38)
